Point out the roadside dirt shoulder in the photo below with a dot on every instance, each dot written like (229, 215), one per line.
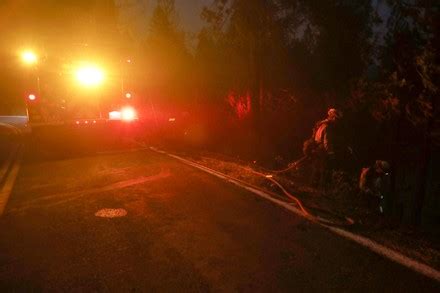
(366, 220)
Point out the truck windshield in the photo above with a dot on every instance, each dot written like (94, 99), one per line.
(11, 105)
(11, 101)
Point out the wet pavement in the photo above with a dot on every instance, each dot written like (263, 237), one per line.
(134, 220)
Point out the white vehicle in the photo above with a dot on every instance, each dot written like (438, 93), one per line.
(13, 117)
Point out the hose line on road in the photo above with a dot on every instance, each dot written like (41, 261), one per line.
(288, 194)
(291, 166)
(269, 176)
(306, 213)
(347, 221)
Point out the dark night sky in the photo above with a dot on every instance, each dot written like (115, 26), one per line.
(188, 13)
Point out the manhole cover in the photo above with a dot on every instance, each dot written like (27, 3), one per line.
(111, 213)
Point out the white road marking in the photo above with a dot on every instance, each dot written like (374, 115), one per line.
(361, 240)
(5, 167)
(62, 198)
(8, 185)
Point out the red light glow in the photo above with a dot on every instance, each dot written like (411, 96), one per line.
(241, 104)
(32, 97)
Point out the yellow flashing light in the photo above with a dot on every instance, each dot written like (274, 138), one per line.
(90, 75)
(29, 57)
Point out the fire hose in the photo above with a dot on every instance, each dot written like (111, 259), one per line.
(347, 221)
(306, 213)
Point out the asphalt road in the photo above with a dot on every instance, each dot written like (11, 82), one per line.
(184, 231)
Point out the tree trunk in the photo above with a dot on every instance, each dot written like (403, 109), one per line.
(420, 191)
(423, 164)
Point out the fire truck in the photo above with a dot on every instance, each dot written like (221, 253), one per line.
(79, 88)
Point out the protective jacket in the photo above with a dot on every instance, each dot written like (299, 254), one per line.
(323, 135)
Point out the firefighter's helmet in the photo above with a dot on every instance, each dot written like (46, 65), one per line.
(333, 113)
(383, 166)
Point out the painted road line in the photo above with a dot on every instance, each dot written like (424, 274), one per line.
(389, 253)
(63, 198)
(7, 163)
(9, 181)
(361, 240)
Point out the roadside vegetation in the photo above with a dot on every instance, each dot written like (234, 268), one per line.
(260, 76)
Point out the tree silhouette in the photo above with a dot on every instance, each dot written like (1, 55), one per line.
(167, 59)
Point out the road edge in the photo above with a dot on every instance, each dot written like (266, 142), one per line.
(368, 243)
(4, 168)
(7, 181)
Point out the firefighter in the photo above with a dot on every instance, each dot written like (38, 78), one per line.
(322, 147)
(374, 183)
(324, 131)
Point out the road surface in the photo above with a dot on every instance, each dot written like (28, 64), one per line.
(179, 230)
